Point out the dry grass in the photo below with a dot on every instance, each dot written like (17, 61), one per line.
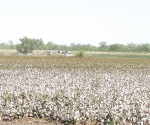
(8, 52)
(44, 52)
(118, 53)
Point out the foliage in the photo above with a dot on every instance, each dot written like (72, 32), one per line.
(103, 46)
(80, 54)
(84, 47)
(8, 45)
(27, 45)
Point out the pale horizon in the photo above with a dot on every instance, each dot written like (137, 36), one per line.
(76, 21)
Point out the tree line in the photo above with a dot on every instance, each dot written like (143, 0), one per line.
(27, 45)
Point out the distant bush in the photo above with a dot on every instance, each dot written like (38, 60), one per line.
(80, 54)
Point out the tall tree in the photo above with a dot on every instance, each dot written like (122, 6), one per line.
(27, 45)
(11, 44)
(103, 46)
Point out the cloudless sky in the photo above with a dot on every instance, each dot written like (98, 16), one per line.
(76, 21)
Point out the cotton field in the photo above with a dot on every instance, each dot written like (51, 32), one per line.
(108, 91)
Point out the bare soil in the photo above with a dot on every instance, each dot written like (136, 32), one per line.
(29, 121)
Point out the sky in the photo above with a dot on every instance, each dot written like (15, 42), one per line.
(76, 21)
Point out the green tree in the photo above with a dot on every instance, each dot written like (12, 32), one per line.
(51, 46)
(27, 45)
(39, 45)
(113, 47)
(103, 46)
(143, 48)
(11, 44)
(117, 47)
(131, 47)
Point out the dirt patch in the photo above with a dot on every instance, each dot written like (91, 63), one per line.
(29, 121)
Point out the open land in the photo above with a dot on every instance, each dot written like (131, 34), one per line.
(112, 91)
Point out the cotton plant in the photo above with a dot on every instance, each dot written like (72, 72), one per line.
(102, 92)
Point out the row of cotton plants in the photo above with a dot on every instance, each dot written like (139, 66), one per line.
(71, 89)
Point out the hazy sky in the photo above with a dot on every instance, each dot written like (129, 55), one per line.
(78, 21)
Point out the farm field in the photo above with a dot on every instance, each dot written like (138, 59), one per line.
(109, 91)
(8, 52)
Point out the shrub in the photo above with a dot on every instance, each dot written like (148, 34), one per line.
(80, 54)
